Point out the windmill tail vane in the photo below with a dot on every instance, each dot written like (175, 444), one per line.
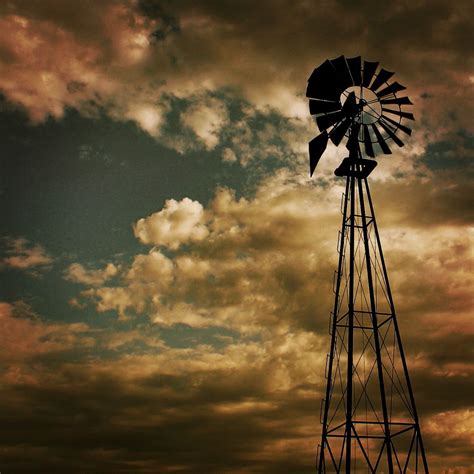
(368, 414)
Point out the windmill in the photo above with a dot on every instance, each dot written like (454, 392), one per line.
(369, 418)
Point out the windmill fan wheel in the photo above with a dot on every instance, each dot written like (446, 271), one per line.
(355, 99)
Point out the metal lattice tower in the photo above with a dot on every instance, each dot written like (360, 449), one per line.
(369, 418)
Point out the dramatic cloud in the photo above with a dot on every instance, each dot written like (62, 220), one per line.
(201, 346)
(270, 276)
(256, 285)
(185, 394)
(165, 409)
(132, 54)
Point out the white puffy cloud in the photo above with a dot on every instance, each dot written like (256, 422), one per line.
(228, 155)
(77, 273)
(177, 223)
(118, 299)
(206, 119)
(144, 282)
(153, 268)
(148, 116)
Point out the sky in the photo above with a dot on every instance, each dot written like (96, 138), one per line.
(166, 262)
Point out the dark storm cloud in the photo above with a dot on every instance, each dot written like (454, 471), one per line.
(142, 414)
(426, 42)
(446, 198)
(263, 51)
(189, 439)
(145, 414)
(453, 152)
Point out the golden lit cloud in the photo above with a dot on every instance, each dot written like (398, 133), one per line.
(176, 223)
(206, 119)
(134, 52)
(21, 255)
(77, 273)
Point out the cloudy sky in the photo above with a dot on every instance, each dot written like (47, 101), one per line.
(166, 266)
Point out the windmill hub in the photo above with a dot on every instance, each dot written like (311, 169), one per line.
(369, 107)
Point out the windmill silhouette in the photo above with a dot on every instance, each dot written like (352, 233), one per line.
(369, 418)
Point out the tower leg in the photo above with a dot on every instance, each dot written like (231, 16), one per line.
(333, 326)
(350, 336)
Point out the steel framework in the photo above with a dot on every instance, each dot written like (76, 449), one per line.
(369, 418)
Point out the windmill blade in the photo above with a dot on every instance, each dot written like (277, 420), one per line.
(344, 78)
(353, 142)
(397, 101)
(369, 71)
(323, 106)
(340, 113)
(391, 134)
(381, 141)
(399, 113)
(325, 121)
(382, 76)
(391, 89)
(338, 132)
(397, 125)
(316, 148)
(368, 142)
(321, 83)
(355, 65)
